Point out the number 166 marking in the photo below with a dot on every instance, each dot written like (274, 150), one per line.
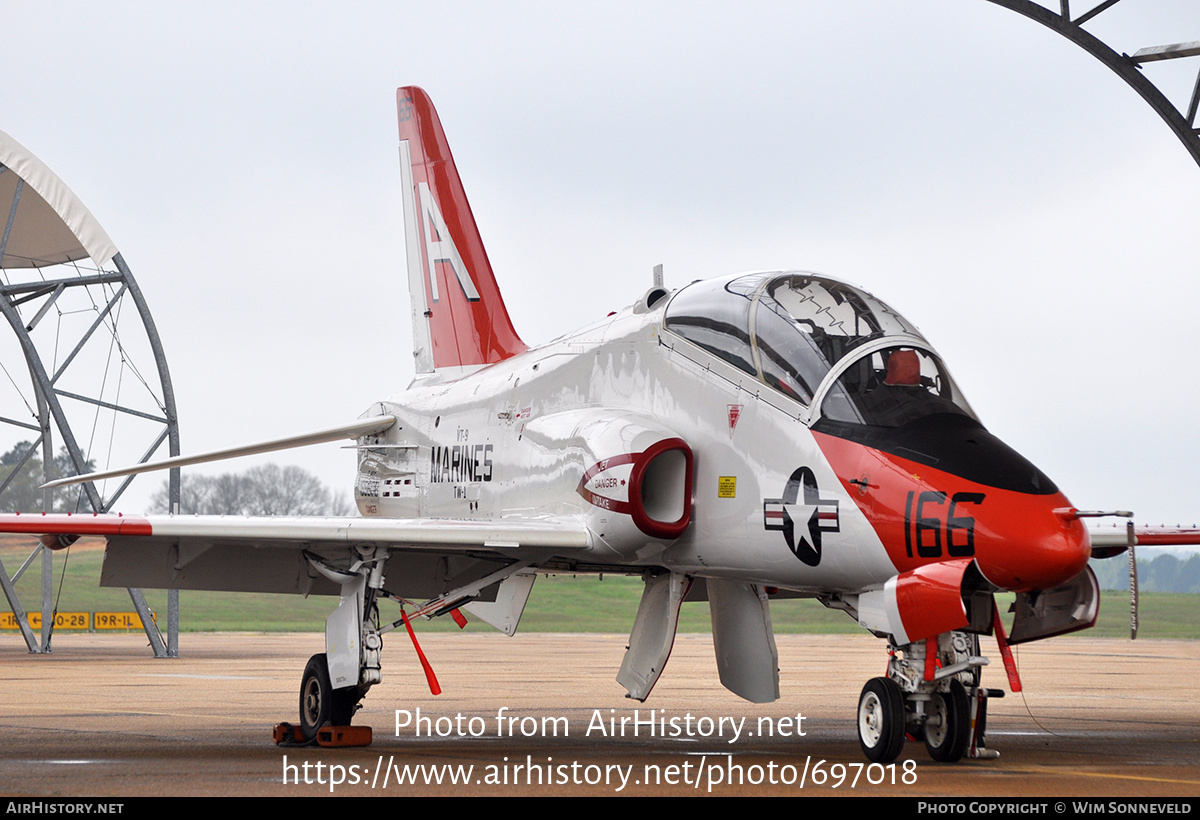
(926, 530)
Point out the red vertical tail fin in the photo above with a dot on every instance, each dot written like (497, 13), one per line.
(459, 318)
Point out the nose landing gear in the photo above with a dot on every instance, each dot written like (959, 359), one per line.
(932, 693)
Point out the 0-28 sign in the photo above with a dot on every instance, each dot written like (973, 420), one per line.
(924, 527)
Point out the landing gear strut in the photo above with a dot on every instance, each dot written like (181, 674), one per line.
(335, 681)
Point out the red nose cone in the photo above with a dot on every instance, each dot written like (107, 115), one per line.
(1042, 554)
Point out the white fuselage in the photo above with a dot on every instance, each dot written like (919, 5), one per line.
(515, 439)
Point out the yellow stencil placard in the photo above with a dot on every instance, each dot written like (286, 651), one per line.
(63, 620)
(119, 620)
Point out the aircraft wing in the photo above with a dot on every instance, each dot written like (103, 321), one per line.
(1110, 541)
(277, 553)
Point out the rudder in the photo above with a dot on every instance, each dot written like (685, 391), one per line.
(459, 318)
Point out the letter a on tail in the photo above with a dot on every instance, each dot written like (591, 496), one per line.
(459, 319)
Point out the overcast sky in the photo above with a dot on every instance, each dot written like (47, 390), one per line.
(1003, 189)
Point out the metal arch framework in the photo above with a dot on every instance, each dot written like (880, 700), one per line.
(44, 382)
(106, 287)
(1127, 67)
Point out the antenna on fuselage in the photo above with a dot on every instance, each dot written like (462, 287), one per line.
(653, 296)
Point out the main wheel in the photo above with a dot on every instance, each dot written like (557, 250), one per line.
(881, 720)
(320, 703)
(948, 726)
(316, 696)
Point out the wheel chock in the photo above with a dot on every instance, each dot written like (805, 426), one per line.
(344, 736)
(288, 734)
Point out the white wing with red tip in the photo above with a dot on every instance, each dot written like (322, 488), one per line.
(274, 553)
(286, 531)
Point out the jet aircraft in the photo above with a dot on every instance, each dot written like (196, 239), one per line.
(763, 435)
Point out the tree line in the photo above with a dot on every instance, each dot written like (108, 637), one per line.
(1163, 573)
(265, 490)
(24, 493)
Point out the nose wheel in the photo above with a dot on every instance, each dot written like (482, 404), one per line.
(881, 720)
(948, 726)
(932, 692)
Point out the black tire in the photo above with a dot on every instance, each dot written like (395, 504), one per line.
(343, 707)
(316, 696)
(881, 720)
(948, 725)
(320, 703)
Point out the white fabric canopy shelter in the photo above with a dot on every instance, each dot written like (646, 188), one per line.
(43, 224)
(51, 225)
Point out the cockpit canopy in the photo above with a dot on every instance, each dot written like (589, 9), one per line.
(793, 330)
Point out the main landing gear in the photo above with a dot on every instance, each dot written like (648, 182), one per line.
(335, 681)
(932, 693)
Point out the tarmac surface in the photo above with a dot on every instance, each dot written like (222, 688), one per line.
(542, 714)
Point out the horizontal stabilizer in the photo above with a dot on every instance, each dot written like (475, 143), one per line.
(1112, 541)
(362, 427)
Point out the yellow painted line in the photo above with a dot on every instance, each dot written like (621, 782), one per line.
(1100, 775)
(1142, 779)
